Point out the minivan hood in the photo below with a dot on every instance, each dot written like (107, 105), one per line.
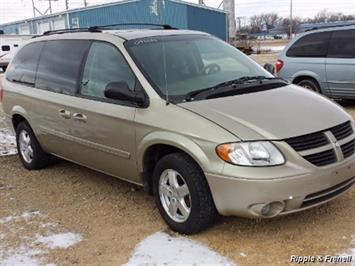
(274, 114)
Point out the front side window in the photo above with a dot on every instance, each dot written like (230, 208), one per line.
(59, 66)
(311, 45)
(23, 67)
(342, 44)
(182, 64)
(5, 48)
(104, 64)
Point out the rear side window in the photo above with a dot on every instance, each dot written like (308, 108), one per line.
(23, 66)
(60, 64)
(312, 45)
(5, 48)
(342, 44)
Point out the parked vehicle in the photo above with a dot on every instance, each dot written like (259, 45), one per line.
(9, 44)
(323, 61)
(184, 114)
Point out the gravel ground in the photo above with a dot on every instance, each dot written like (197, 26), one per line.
(110, 217)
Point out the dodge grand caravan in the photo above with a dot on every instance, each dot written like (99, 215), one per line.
(202, 127)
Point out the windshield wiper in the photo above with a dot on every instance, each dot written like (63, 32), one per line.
(246, 79)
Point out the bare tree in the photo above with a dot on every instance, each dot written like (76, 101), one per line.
(296, 23)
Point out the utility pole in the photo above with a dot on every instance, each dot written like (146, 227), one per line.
(85, 3)
(291, 20)
(66, 4)
(33, 8)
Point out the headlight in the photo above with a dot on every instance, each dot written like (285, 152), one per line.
(256, 153)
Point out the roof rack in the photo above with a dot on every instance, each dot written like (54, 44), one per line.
(115, 26)
(329, 26)
(105, 27)
(61, 31)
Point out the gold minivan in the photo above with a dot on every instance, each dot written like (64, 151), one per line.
(184, 114)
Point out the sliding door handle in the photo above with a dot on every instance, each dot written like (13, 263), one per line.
(64, 113)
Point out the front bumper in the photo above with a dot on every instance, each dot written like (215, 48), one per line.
(244, 196)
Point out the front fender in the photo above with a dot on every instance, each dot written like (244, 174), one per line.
(207, 161)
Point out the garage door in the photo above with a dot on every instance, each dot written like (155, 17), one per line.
(59, 24)
(24, 29)
(43, 27)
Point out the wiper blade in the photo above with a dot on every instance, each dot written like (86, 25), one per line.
(246, 79)
(190, 96)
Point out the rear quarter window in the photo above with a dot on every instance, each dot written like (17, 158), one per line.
(311, 45)
(23, 67)
(342, 44)
(60, 65)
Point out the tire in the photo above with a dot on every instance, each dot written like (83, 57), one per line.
(202, 212)
(310, 84)
(26, 142)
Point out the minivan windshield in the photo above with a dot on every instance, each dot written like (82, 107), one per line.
(182, 64)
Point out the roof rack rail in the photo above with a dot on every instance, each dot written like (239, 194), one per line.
(329, 27)
(114, 26)
(61, 31)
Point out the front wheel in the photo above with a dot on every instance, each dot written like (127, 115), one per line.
(182, 194)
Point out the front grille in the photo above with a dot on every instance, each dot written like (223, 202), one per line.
(308, 142)
(348, 148)
(323, 139)
(322, 158)
(326, 194)
(342, 131)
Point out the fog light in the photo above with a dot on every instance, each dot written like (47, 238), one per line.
(268, 210)
(265, 210)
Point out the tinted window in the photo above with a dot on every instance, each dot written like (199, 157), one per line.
(59, 66)
(104, 64)
(5, 48)
(312, 45)
(23, 66)
(342, 44)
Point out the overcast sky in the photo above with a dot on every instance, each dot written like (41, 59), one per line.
(11, 10)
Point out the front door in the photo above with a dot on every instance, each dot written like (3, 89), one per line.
(104, 129)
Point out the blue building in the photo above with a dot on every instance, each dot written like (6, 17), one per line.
(176, 13)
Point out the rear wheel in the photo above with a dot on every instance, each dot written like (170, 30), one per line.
(182, 194)
(309, 84)
(30, 152)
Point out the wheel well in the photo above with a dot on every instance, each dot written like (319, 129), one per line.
(151, 156)
(300, 78)
(16, 119)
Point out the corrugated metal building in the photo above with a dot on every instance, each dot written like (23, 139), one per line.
(179, 14)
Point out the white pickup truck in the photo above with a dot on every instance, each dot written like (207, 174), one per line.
(9, 44)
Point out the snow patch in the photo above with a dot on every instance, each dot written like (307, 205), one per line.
(7, 143)
(162, 249)
(30, 248)
(154, 8)
(64, 240)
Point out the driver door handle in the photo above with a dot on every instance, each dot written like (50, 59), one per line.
(80, 117)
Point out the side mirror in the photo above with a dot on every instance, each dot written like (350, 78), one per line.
(120, 91)
(269, 68)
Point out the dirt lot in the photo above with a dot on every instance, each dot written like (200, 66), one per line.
(110, 217)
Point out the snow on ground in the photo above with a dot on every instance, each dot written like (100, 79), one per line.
(274, 49)
(162, 249)
(37, 238)
(350, 251)
(7, 141)
(64, 240)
